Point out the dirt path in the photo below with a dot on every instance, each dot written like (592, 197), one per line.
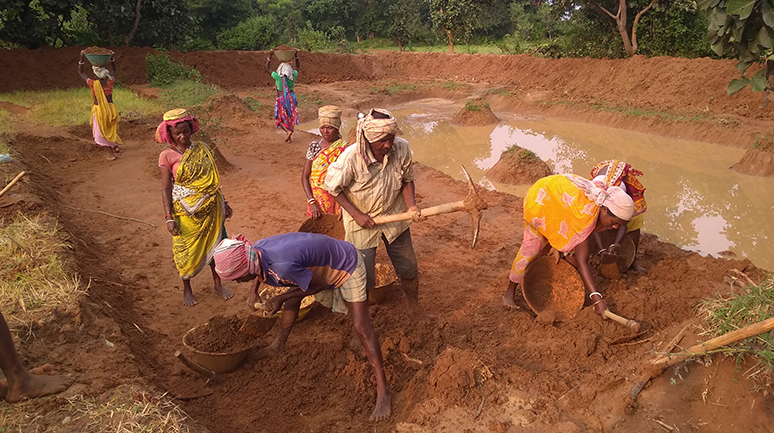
(471, 366)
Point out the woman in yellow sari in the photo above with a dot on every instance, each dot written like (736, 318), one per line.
(319, 156)
(104, 116)
(562, 211)
(194, 205)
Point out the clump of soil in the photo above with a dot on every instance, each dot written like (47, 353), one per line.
(220, 335)
(757, 161)
(453, 375)
(555, 287)
(97, 51)
(284, 47)
(518, 166)
(267, 292)
(328, 224)
(475, 113)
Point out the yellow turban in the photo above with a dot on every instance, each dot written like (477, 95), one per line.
(329, 115)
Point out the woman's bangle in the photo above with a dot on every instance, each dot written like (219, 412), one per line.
(169, 215)
(595, 293)
(595, 304)
(311, 200)
(170, 221)
(80, 63)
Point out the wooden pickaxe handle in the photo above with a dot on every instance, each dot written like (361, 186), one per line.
(433, 210)
(629, 323)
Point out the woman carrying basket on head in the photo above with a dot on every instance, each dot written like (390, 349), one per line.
(104, 116)
(286, 106)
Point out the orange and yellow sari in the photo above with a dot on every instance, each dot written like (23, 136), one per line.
(320, 165)
(556, 212)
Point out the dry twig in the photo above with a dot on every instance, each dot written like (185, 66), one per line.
(110, 215)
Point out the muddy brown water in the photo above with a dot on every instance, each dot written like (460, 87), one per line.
(694, 200)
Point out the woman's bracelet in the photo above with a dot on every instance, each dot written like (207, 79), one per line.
(170, 221)
(80, 63)
(169, 215)
(595, 304)
(311, 200)
(595, 293)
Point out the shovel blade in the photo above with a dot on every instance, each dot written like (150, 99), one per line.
(257, 326)
(609, 267)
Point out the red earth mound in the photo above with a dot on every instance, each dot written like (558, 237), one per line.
(475, 113)
(757, 161)
(518, 166)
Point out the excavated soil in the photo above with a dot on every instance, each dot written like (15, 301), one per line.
(518, 166)
(220, 334)
(553, 287)
(756, 162)
(470, 364)
(327, 224)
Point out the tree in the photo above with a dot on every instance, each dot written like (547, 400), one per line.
(34, 24)
(454, 18)
(745, 30)
(620, 19)
(404, 21)
(147, 22)
(214, 16)
(255, 33)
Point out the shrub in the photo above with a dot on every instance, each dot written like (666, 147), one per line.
(163, 71)
(199, 44)
(476, 106)
(310, 39)
(256, 33)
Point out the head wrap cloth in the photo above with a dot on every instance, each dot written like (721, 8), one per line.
(235, 258)
(615, 199)
(329, 115)
(101, 72)
(370, 129)
(172, 118)
(285, 70)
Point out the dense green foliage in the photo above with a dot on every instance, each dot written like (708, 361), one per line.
(558, 28)
(163, 71)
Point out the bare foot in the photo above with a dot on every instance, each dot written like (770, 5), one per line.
(637, 267)
(37, 385)
(509, 302)
(287, 139)
(189, 299)
(111, 154)
(267, 352)
(382, 410)
(224, 292)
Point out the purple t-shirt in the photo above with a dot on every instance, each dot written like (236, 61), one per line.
(291, 259)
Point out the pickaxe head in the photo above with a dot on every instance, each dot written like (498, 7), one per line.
(474, 205)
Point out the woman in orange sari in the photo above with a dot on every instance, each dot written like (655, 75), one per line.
(319, 156)
(562, 211)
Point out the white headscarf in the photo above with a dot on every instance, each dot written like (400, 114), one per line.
(285, 70)
(615, 199)
(101, 72)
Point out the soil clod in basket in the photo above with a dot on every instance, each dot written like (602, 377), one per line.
(221, 334)
(97, 51)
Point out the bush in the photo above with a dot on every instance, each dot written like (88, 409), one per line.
(310, 39)
(256, 33)
(163, 71)
(199, 44)
(476, 106)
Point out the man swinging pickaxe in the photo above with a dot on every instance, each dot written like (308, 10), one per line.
(472, 204)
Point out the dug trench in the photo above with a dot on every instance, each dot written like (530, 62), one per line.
(469, 365)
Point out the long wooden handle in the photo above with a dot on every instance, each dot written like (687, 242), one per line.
(433, 210)
(12, 183)
(728, 338)
(629, 323)
(209, 374)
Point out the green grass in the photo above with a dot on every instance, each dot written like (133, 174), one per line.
(6, 122)
(726, 314)
(476, 106)
(502, 92)
(762, 142)
(71, 107)
(451, 85)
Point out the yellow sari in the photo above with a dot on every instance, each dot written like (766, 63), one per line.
(199, 210)
(556, 212)
(106, 115)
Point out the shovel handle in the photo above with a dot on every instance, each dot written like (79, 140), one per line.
(629, 323)
(433, 210)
